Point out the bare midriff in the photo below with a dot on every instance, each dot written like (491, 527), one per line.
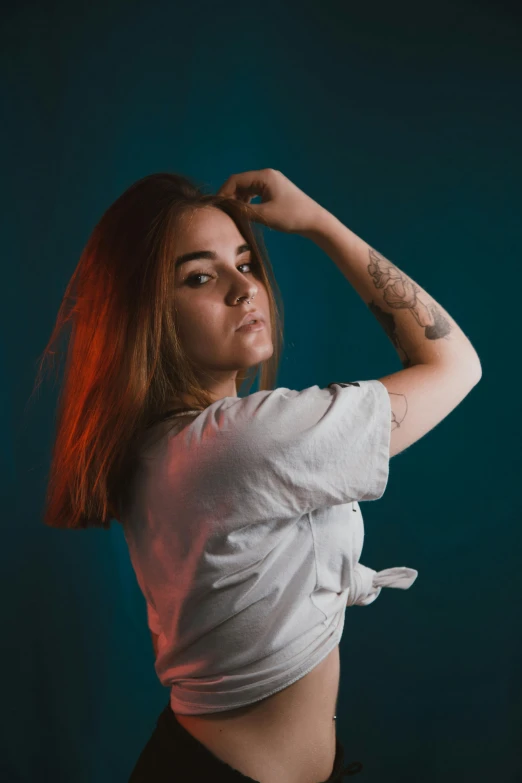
(288, 737)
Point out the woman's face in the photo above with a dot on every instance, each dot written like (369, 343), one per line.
(206, 301)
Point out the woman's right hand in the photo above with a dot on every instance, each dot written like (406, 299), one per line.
(283, 207)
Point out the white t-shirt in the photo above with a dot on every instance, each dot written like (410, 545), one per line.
(245, 534)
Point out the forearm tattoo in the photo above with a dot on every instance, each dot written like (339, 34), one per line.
(401, 293)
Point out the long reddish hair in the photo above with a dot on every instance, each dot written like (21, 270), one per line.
(125, 363)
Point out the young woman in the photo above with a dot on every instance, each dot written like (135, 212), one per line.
(241, 513)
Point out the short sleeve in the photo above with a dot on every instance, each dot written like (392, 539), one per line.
(309, 449)
(153, 619)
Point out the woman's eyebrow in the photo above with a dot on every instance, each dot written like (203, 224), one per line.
(210, 254)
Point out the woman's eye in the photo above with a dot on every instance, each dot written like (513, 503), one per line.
(204, 274)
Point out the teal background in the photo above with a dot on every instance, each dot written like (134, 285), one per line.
(404, 121)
